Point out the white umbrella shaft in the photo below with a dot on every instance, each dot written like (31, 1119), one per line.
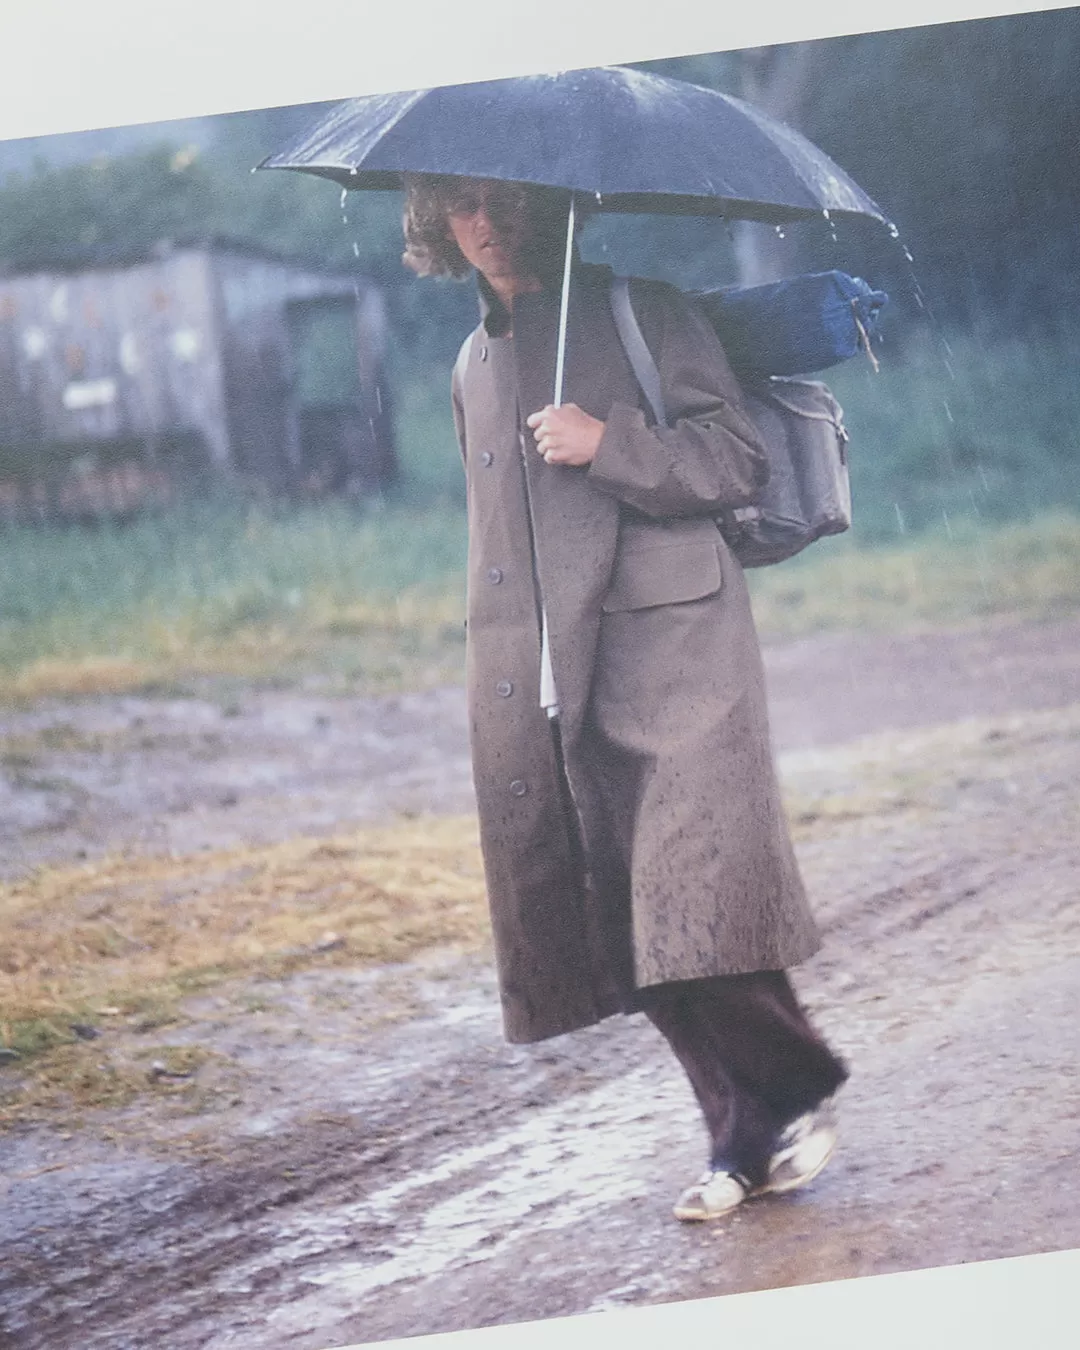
(548, 697)
(560, 356)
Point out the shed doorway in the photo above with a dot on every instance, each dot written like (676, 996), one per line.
(331, 398)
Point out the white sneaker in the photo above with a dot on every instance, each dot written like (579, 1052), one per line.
(804, 1148)
(716, 1194)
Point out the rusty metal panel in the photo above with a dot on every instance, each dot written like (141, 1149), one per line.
(194, 345)
(110, 354)
(190, 344)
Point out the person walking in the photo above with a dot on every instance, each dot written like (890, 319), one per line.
(636, 854)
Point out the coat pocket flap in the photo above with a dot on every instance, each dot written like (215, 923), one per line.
(664, 573)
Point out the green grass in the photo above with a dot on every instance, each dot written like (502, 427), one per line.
(1020, 571)
(376, 603)
(962, 427)
(235, 590)
(427, 446)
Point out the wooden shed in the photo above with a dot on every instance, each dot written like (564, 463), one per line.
(206, 359)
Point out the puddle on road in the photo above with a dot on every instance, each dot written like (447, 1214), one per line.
(542, 1175)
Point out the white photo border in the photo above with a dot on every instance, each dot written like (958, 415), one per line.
(71, 67)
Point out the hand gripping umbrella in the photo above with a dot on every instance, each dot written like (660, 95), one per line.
(631, 141)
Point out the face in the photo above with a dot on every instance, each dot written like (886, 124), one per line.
(489, 222)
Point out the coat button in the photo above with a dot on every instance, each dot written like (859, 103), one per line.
(483, 353)
(504, 689)
(487, 458)
(518, 787)
(494, 575)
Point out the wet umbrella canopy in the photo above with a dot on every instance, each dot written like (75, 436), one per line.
(631, 141)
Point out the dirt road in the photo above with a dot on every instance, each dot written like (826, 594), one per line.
(390, 1167)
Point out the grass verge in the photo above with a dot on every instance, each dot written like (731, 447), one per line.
(376, 604)
(123, 941)
(1024, 571)
(373, 602)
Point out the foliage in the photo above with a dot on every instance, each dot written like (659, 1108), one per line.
(103, 210)
(965, 426)
(977, 169)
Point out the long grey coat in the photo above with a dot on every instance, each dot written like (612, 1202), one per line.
(665, 781)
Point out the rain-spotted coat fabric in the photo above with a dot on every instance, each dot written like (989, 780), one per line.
(648, 844)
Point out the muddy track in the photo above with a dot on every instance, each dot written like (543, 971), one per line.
(424, 1176)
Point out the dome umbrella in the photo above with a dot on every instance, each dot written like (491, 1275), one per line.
(630, 141)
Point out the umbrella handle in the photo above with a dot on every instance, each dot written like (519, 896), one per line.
(564, 305)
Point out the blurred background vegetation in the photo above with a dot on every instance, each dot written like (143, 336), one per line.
(964, 447)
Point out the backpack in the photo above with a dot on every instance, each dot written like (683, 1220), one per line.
(808, 492)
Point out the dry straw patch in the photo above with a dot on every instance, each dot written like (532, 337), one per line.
(410, 640)
(81, 676)
(129, 937)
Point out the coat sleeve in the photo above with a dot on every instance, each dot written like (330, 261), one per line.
(710, 455)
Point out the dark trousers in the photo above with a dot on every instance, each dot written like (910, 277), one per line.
(753, 1059)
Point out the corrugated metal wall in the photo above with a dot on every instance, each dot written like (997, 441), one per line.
(190, 356)
(111, 355)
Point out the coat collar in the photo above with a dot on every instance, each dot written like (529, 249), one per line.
(493, 313)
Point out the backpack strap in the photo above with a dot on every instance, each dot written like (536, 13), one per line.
(636, 348)
(648, 377)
